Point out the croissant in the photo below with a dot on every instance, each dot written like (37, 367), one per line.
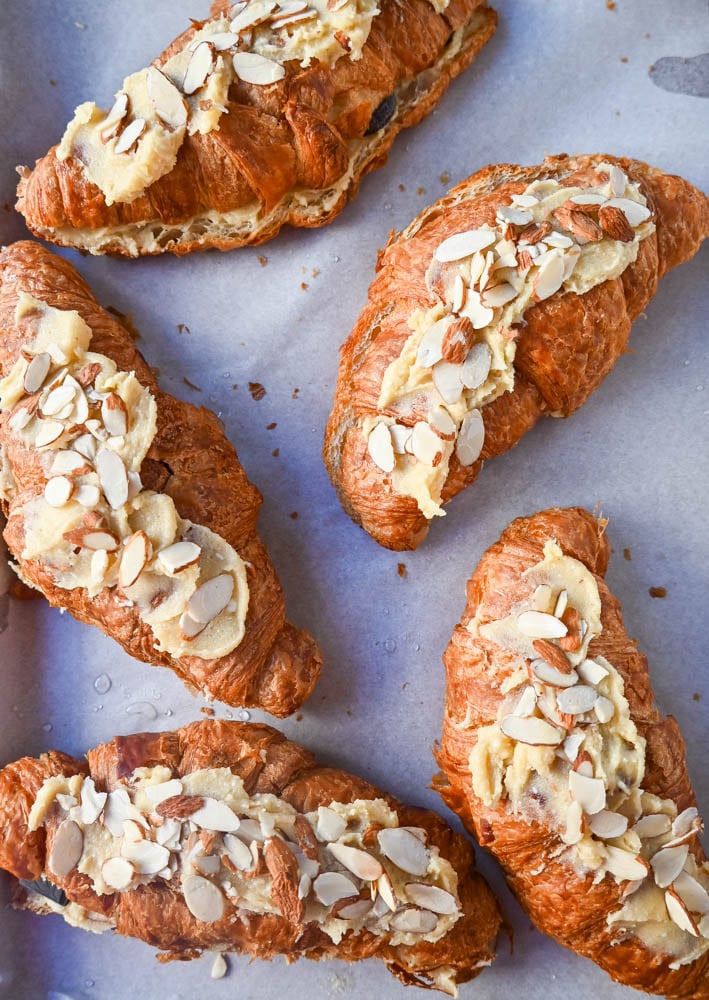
(225, 836)
(554, 753)
(128, 507)
(264, 115)
(509, 299)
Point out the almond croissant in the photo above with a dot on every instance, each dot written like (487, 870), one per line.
(509, 299)
(228, 837)
(128, 507)
(264, 115)
(555, 755)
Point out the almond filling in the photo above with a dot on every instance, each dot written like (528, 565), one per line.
(345, 867)
(460, 354)
(565, 752)
(93, 524)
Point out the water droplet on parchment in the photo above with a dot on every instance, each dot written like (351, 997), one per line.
(143, 709)
(102, 684)
(242, 715)
(389, 645)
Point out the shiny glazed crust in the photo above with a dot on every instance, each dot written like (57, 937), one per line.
(561, 903)
(267, 763)
(288, 153)
(569, 343)
(275, 667)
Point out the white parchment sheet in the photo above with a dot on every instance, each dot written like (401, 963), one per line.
(559, 76)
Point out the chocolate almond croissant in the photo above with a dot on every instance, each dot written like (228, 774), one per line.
(507, 300)
(263, 115)
(228, 837)
(128, 507)
(555, 755)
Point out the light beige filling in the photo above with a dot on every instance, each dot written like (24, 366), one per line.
(57, 535)
(535, 779)
(111, 825)
(409, 386)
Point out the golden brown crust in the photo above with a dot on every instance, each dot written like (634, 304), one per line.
(305, 132)
(561, 903)
(565, 350)
(267, 763)
(275, 666)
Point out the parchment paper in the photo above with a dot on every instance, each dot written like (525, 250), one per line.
(559, 76)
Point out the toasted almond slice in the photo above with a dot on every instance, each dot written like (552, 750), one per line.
(553, 655)
(115, 117)
(548, 674)
(668, 863)
(114, 414)
(692, 892)
(99, 540)
(66, 850)
(634, 212)
(49, 432)
(381, 449)
(87, 495)
(58, 491)
(527, 702)
(591, 671)
(425, 443)
(330, 825)
(215, 815)
(538, 625)
(411, 920)
(130, 135)
(577, 700)
(198, 69)
(590, 793)
(498, 295)
(252, 14)
(358, 862)
(117, 873)
(446, 378)
(179, 556)
(238, 851)
(532, 730)
(549, 278)
(679, 913)
(471, 438)
(613, 222)
(515, 216)
(479, 314)
(168, 102)
(386, 891)
(112, 477)
(430, 897)
(653, 825)
(134, 559)
(608, 825)
(331, 886)
(572, 745)
(404, 849)
(626, 867)
(203, 899)
(253, 68)
(604, 709)
(36, 372)
(685, 821)
(476, 367)
(400, 434)
(209, 600)
(430, 350)
(465, 244)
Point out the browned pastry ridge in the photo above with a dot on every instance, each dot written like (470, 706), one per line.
(275, 666)
(284, 149)
(562, 903)
(267, 763)
(566, 346)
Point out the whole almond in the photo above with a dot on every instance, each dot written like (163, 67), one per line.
(614, 222)
(535, 232)
(572, 640)
(179, 806)
(579, 223)
(458, 340)
(305, 835)
(87, 375)
(554, 656)
(283, 868)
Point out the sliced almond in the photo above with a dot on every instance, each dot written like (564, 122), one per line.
(584, 764)
(446, 378)
(577, 700)
(574, 824)
(478, 313)
(203, 899)
(331, 886)
(668, 863)
(633, 211)
(547, 674)
(608, 825)
(532, 730)
(476, 367)
(49, 432)
(527, 702)
(549, 278)
(587, 199)
(67, 848)
(252, 14)
(114, 414)
(168, 102)
(87, 495)
(68, 462)
(425, 443)
(355, 909)
(253, 68)
(614, 223)
(58, 491)
(209, 600)
(112, 477)
(590, 793)
(457, 340)
(430, 897)
(538, 625)
(92, 802)
(86, 446)
(36, 372)
(458, 297)
(117, 873)
(400, 435)
(128, 139)
(99, 566)
(683, 823)
(330, 825)
(465, 244)
(411, 920)
(654, 825)
(147, 857)
(498, 295)
(404, 849)
(386, 891)
(163, 791)
(99, 540)
(515, 216)
(179, 556)
(679, 913)
(626, 866)
(198, 69)
(381, 449)
(591, 672)
(604, 709)
(442, 424)
(430, 349)
(136, 553)
(214, 814)
(115, 116)
(572, 745)
(618, 180)
(358, 862)
(471, 438)
(19, 419)
(238, 852)
(692, 892)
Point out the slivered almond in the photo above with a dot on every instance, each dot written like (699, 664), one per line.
(133, 561)
(579, 223)
(571, 640)
(457, 340)
(614, 222)
(553, 655)
(591, 671)
(283, 867)
(179, 806)
(114, 414)
(130, 135)
(535, 232)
